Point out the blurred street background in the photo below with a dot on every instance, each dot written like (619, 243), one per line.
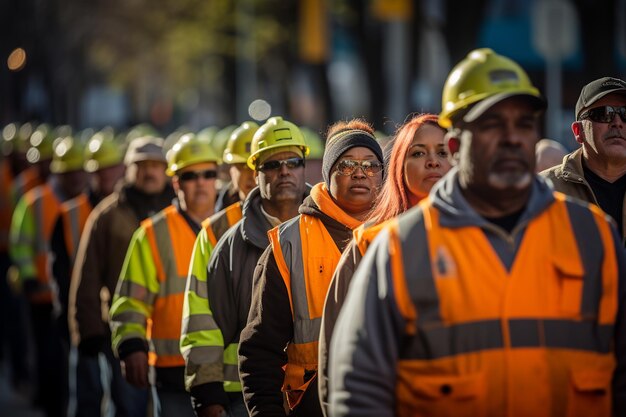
(205, 63)
(192, 64)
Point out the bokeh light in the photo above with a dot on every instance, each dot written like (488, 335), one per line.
(17, 59)
(259, 110)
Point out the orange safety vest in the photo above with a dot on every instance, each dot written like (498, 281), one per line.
(171, 242)
(46, 207)
(74, 214)
(220, 222)
(364, 235)
(484, 341)
(306, 256)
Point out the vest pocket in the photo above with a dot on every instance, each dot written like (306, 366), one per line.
(589, 393)
(571, 281)
(297, 380)
(442, 396)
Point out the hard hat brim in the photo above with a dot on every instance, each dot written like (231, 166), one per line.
(254, 158)
(482, 106)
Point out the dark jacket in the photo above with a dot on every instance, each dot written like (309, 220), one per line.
(229, 288)
(226, 197)
(262, 353)
(62, 266)
(569, 178)
(99, 260)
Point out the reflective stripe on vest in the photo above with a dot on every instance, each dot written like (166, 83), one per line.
(171, 241)
(529, 332)
(218, 224)
(584, 238)
(304, 238)
(74, 219)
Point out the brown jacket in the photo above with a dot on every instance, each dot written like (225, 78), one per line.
(569, 178)
(101, 252)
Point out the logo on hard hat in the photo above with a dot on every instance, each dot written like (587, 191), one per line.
(283, 134)
(503, 76)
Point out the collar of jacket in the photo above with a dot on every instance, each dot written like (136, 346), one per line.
(254, 225)
(457, 212)
(572, 167)
(322, 199)
(146, 205)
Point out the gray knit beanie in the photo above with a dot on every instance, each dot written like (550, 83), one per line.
(340, 142)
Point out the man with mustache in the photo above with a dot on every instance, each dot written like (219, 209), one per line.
(495, 295)
(147, 307)
(219, 286)
(101, 251)
(596, 172)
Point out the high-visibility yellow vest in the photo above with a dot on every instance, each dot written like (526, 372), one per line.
(148, 302)
(31, 229)
(11, 190)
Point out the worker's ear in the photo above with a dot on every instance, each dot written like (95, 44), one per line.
(452, 141)
(256, 177)
(175, 183)
(579, 132)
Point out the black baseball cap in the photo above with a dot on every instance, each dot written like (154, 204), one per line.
(597, 89)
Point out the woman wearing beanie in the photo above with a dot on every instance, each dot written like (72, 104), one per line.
(418, 160)
(278, 348)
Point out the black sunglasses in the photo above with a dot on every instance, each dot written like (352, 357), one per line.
(290, 163)
(348, 166)
(194, 175)
(604, 114)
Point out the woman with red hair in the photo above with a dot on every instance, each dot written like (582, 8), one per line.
(418, 160)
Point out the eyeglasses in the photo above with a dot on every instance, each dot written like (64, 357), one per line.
(194, 175)
(348, 167)
(604, 114)
(290, 163)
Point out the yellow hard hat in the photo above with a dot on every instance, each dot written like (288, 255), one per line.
(276, 133)
(42, 144)
(62, 131)
(102, 151)
(140, 130)
(69, 155)
(24, 133)
(207, 134)
(238, 146)
(9, 134)
(221, 139)
(13, 141)
(187, 151)
(314, 142)
(481, 80)
(174, 137)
